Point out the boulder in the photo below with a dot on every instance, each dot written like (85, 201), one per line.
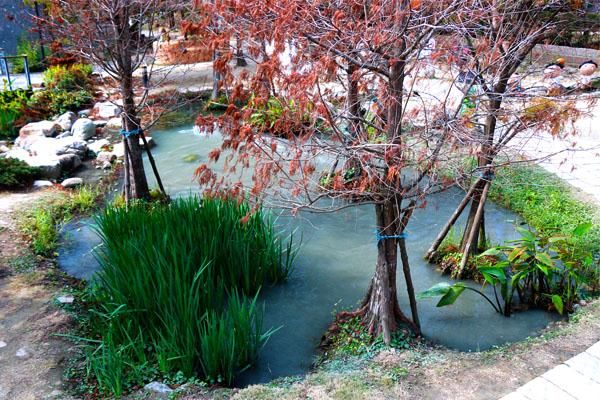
(4, 148)
(83, 129)
(66, 120)
(50, 164)
(69, 162)
(72, 182)
(107, 110)
(18, 153)
(98, 145)
(158, 387)
(48, 147)
(42, 184)
(113, 124)
(50, 167)
(34, 131)
(41, 128)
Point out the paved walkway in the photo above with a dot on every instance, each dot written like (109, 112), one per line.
(576, 379)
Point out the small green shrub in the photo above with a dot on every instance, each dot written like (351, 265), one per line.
(12, 105)
(546, 272)
(16, 173)
(68, 78)
(41, 222)
(33, 51)
(58, 101)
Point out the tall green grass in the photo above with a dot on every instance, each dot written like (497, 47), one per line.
(179, 281)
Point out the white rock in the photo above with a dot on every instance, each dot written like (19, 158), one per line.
(18, 153)
(119, 150)
(41, 128)
(64, 135)
(113, 124)
(107, 110)
(97, 145)
(50, 167)
(106, 157)
(158, 387)
(66, 120)
(42, 184)
(48, 147)
(4, 149)
(2, 344)
(67, 299)
(72, 182)
(22, 353)
(83, 129)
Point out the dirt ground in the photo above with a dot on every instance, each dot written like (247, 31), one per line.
(30, 355)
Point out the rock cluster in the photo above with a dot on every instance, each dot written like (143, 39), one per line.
(58, 147)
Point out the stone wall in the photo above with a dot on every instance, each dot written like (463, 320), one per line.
(545, 53)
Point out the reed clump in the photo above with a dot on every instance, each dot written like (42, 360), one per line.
(177, 291)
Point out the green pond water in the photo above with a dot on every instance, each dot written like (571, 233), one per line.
(333, 269)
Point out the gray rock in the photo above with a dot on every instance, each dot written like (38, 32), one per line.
(97, 145)
(83, 129)
(66, 120)
(23, 353)
(107, 110)
(66, 299)
(69, 162)
(42, 184)
(72, 182)
(100, 123)
(149, 140)
(158, 387)
(85, 113)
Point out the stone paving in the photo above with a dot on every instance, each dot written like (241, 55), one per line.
(576, 379)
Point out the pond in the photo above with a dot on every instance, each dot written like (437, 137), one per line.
(333, 269)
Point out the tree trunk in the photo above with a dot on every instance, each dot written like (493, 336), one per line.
(137, 180)
(444, 232)
(216, 78)
(240, 60)
(353, 103)
(382, 312)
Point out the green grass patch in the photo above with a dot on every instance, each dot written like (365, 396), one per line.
(41, 223)
(177, 292)
(546, 203)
